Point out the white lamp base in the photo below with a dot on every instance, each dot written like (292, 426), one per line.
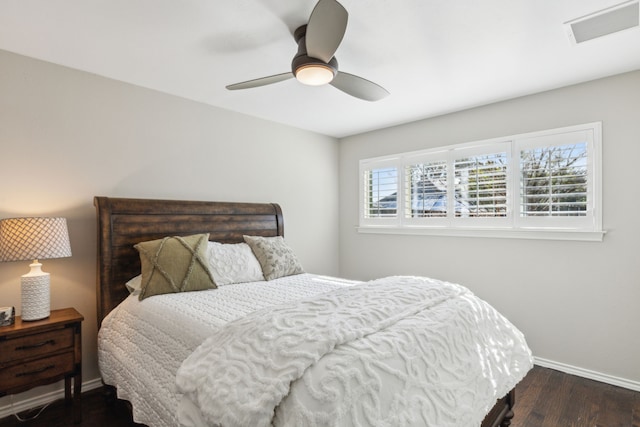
(36, 297)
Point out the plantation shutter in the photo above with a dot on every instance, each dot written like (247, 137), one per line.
(426, 189)
(481, 186)
(554, 180)
(381, 192)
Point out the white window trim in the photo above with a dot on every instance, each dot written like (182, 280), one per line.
(511, 227)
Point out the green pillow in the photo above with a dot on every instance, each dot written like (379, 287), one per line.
(174, 264)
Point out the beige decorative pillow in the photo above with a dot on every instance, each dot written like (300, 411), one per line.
(174, 264)
(275, 256)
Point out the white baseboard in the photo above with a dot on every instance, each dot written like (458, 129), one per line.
(589, 374)
(43, 399)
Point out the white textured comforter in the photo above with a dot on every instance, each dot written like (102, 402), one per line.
(431, 352)
(400, 351)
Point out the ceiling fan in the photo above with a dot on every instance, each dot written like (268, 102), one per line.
(314, 64)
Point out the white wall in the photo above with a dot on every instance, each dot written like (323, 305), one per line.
(67, 136)
(576, 302)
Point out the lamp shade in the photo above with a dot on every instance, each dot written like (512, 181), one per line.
(33, 238)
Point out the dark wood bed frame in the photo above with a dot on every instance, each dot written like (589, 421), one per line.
(125, 222)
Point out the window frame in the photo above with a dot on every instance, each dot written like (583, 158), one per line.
(513, 225)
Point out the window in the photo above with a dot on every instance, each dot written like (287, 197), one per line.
(381, 185)
(426, 184)
(537, 185)
(553, 181)
(481, 185)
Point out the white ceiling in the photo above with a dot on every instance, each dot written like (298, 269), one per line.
(433, 56)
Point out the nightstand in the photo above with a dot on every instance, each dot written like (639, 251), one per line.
(42, 352)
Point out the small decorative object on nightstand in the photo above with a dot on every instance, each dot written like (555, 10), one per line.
(7, 316)
(41, 352)
(36, 238)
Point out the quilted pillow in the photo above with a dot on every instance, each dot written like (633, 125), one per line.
(174, 264)
(275, 256)
(233, 263)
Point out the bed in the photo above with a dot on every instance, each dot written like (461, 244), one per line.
(122, 223)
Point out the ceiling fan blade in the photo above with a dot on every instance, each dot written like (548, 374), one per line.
(263, 81)
(358, 87)
(325, 29)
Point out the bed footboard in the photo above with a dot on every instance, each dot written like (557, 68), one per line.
(502, 412)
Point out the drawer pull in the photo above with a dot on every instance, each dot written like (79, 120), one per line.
(40, 344)
(37, 371)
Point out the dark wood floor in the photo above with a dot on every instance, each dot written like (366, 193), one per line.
(545, 398)
(548, 398)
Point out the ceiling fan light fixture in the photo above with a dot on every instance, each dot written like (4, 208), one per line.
(314, 74)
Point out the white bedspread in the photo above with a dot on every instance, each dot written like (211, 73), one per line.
(141, 344)
(402, 351)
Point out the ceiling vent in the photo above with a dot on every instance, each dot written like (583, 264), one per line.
(607, 21)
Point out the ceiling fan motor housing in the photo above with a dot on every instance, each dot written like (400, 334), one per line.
(302, 60)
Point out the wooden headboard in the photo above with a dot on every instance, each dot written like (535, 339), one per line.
(124, 222)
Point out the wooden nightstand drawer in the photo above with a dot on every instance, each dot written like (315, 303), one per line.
(37, 370)
(39, 352)
(21, 348)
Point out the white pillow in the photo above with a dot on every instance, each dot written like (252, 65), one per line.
(233, 263)
(134, 285)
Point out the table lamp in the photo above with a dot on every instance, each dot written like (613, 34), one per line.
(34, 239)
